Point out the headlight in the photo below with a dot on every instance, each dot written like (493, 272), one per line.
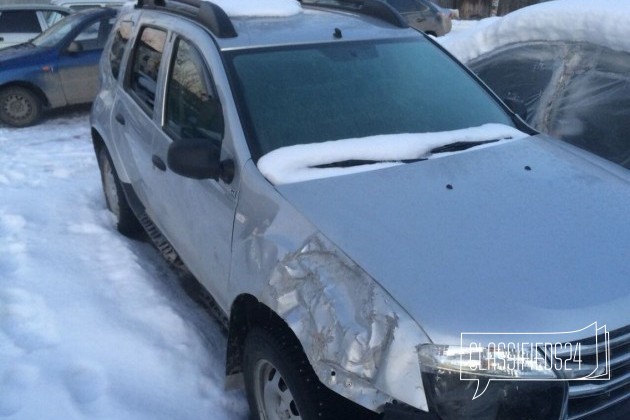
(489, 383)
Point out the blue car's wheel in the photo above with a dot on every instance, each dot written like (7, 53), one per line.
(19, 106)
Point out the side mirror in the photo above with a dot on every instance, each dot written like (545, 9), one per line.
(195, 158)
(74, 48)
(517, 105)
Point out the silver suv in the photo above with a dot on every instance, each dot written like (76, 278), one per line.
(379, 233)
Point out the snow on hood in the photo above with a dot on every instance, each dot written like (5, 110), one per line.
(300, 162)
(259, 8)
(601, 22)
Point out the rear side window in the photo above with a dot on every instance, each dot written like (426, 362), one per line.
(192, 110)
(51, 17)
(146, 67)
(121, 38)
(19, 21)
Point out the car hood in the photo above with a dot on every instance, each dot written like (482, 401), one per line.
(528, 236)
(17, 52)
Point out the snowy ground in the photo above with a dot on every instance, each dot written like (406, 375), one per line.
(92, 325)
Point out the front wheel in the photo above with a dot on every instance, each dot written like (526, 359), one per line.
(280, 382)
(19, 106)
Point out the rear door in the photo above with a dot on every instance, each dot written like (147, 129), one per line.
(134, 110)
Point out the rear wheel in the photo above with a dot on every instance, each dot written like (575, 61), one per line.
(19, 107)
(126, 221)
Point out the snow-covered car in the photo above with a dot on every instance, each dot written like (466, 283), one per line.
(22, 22)
(567, 63)
(379, 233)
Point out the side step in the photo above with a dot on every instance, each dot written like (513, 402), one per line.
(160, 242)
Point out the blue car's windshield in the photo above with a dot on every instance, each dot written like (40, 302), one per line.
(58, 31)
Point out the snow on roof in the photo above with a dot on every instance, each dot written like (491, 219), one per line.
(259, 8)
(601, 22)
(300, 162)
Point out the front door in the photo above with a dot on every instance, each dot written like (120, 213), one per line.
(200, 213)
(78, 62)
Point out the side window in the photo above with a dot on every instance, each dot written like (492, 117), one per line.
(19, 21)
(142, 81)
(121, 38)
(192, 108)
(51, 17)
(94, 36)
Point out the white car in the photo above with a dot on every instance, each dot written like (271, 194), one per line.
(21, 23)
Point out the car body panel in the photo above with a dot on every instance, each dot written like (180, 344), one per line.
(344, 261)
(490, 244)
(63, 78)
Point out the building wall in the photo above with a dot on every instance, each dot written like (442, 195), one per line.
(474, 9)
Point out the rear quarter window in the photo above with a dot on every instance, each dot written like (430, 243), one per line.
(119, 43)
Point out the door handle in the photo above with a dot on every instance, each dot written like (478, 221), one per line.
(120, 119)
(158, 162)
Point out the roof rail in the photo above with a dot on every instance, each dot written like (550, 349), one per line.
(208, 14)
(375, 8)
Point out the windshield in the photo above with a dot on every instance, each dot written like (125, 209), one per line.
(58, 31)
(317, 93)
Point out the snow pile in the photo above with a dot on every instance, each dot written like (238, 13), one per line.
(92, 325)
(300, 162)
(259, 8)
(602, 22)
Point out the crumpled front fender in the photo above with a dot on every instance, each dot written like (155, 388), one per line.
(360, 342)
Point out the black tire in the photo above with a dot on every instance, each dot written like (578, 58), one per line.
(126, 221)
(278, 376)
(276, 372)
(19, 106)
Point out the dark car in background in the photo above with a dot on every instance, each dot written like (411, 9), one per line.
(568, 74)
(424, 16)
(21, 23)
(56, 69)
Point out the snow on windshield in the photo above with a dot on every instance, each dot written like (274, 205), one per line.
(302, 162)
(259, 8)
(602, 22)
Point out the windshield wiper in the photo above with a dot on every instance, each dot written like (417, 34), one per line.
(359, 162)
(460, 145)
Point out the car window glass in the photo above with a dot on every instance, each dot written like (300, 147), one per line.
(360, 89)
(51, 17)
(192, 110)
(58, 31)
(123, 33)
(19, 21)
(593, 109)
(522, 72)
(146, 67)
(94, 36)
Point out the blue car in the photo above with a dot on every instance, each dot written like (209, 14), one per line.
(56, 69)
